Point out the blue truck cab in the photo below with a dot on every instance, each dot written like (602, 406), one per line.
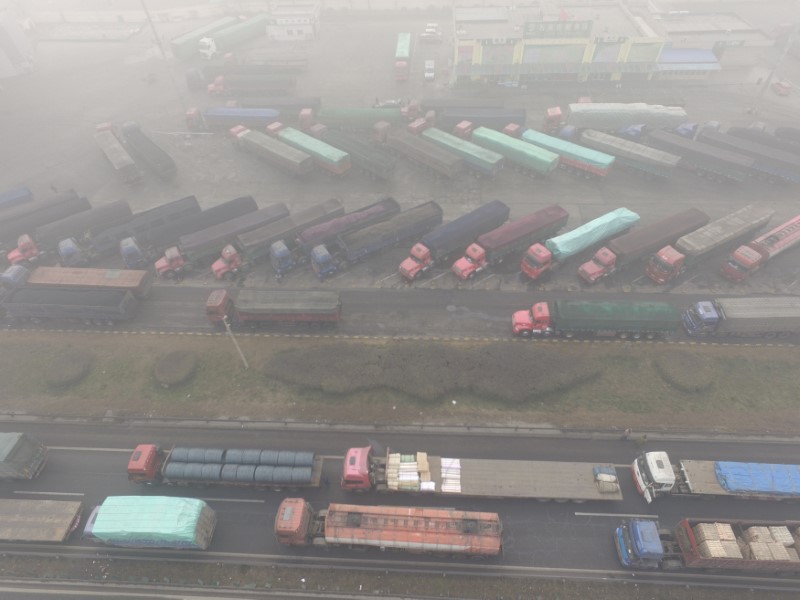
(281, 258)
(13, 277)
(71, 254)
(322, 262)
(639, 544)
(132, 254)
(701, 318)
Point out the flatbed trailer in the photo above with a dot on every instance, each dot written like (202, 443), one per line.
(632, 154)
(769, 316)
(478, 478)
(425, 154)
(137, 282)
(38, 520)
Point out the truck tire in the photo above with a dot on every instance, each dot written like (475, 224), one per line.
(525, 333)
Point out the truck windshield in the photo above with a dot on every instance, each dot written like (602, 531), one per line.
(531, 260)
(644, 470)
(662, 265)
(738, 267)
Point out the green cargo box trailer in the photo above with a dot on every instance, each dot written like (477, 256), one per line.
(486, 162)
(527, 156)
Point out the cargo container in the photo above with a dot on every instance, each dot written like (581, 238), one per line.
(356, 246)
(749, 258)
(370, 159)
(224, 117)
(273, 151)
(146, 152)
(628, 153)
(441, 531)
(715, 544)
(225, 39)
(185, 46)
(360, 119)
(493, 247)
(525, 156)
(572, 157)
(451, 238)
(275, 241)
(448, 117)
(15, 196)
(87, 306)
(122, 162)
(25, 218)
(402, 56)
(628, 249)
(152, 522)
(484, 161)
(705, 160)
(655, 475)
(21, 456)
(669, 263)
(235, 467)
(322, 233)
(770, 316)
(611, 116)
(136, 282)
(425, 154)
(422, 473)
(38, 520)
(769, 163)
(202, 247)
(546, 257)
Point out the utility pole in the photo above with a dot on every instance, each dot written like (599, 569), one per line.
(163, 53)
(227, 324)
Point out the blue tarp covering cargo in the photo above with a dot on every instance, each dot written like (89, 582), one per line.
(593, 232)
(759, 478)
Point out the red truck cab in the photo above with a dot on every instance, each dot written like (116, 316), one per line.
(665, 265)
(553, 120)
(357, 471)
(26, 250)
(144, 465)
(536, 321)
(537, 260)
(228, 264)
(218, 306)
(171, 264)
(745, 260)
(417, 263)
(217, 87)
(469, 265)
(293, 522)
(603, 262)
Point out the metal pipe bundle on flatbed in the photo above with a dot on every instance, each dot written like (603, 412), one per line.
(522, 154)
(483, 160)
(38, 520)
(425, 154)
(329, 158)
(629, 153)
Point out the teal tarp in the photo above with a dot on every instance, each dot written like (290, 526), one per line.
(593, 232)
(598, 159)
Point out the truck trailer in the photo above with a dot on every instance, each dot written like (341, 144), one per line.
(573, 157)
(331, 159)
(87, 306)
(275, 152)
(146, 152)
(484, 161)
(575, 318)
(137, 282)
(185, 45)
(655, 475)
(612, 116)
(628, 153)
(425, 154)
(21, 456)
(438, 531)
(353, 247)
(217, 118)
(50, 521)
(769, 316)
(704, 159)
(252, 468)
(24, 218)
(256, 246)
(227, 38)
(749, 258)
(370, 159)
(15, 196)
(116, 154)
(152, 522)
(767, 161)
(630, 248)
(527, 157)
(715, 544)
(669, 263)
(545, 257)
(495, 246)
(447, 117)
(764, 138)
(445, 240)
(256, 308)
(422, 473)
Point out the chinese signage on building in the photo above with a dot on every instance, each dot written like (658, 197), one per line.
(557, 29)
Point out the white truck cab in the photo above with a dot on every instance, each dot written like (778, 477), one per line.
(653, 474)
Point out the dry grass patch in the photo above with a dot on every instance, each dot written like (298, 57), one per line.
(68, 368)
(687, 372)
(175, 368)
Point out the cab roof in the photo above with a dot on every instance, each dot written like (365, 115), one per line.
(660, 468)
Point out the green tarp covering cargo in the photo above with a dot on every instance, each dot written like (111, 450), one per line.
(152, 522)
(330, 158)
(591, 233)
(590, 316)
(520, 153)
(483, 160)
(570, 153)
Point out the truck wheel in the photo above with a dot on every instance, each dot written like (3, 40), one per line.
(525, 333)
(170, 275)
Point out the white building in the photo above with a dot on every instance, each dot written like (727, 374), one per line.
(293, 21)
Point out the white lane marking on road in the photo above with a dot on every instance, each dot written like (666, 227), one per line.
(234, 500)
(82, 449)
(49, 493)
(617, 515)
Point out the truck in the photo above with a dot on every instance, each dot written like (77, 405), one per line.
(144, 225)
(422, 473)
(273, 151)
(573, 157)
(15, 196)
(21, 456)
(289, 107)
(769, 162)
(545, 257)
(529, 158)
(50, 521)
(122, 162)
(425, 154)
(402, 56)
(611, 116)
(275, 241)
(198, 248)
(715, 544)
(764, 138)
(152, 522)
(258, 84)
(370, 159)
(628, 249)
(590, 318)
(487, 117)
(655, 475)
(232, 467)
(25, 218)
(87, 306)
(669, 263)
(495, 246)
(146, 152)
(444, 241)
(647, 160)
(217, 118)
(140, 252)
(225, 39)
(137, 282)
(356, 246)
(185, 46)
(770, 316)
(704, 159)
(360, 119)
(484, 161)
(256, 308)
(326, 156)
(409, 529)
(83, 225)
(749, 258)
